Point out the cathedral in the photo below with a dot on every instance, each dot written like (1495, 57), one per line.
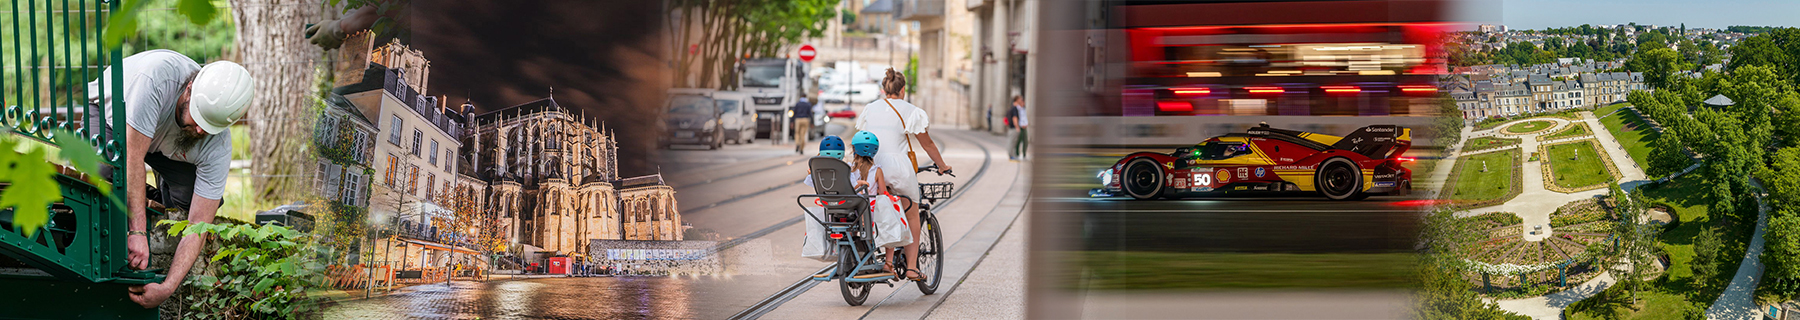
(551, 181)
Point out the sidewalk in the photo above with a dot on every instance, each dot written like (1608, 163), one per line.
(996, 288)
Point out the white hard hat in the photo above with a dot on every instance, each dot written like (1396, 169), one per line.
(220, 95)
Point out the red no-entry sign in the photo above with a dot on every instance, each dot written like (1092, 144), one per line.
(807, 53)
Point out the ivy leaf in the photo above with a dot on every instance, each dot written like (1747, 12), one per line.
(175, 227)
(33, 188)
(123, 23)
(200, 12)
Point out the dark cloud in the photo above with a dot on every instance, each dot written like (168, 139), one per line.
(602, 57)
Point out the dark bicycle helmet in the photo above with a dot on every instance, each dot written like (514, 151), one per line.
(831, 146)
(865, 143)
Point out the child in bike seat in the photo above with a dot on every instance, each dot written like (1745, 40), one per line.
(863, 167)
(831, 147)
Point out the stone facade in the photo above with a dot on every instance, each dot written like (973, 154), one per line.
(551, 181)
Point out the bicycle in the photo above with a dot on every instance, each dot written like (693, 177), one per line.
(847, 222)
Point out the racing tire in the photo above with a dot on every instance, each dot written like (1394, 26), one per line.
(1339, 179)
(931, 254)
(1404, 189)
(1143, 179)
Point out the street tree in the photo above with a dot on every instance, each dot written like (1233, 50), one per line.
(1781, 254)
(1705, 265)
(1636, 243)
(1667, 154)
(1658, 64)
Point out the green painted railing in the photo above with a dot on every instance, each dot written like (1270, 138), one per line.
(74, 266)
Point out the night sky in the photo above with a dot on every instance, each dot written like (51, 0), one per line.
(602, 57)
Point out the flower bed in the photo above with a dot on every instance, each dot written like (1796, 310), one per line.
(1578, 212)
(1576, 129)
(1488, 143)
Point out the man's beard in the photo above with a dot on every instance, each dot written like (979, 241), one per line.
(185, 140)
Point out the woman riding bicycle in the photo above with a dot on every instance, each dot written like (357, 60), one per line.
(895, 123)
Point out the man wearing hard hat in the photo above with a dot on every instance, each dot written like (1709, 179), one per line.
(178, 114)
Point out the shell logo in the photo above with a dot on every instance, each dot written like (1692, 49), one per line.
(1223, 175)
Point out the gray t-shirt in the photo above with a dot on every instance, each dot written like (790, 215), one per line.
(153, 83)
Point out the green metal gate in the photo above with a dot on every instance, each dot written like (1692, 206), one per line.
(74, 266)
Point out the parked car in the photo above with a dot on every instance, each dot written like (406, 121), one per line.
(738, 121)
(692, 118)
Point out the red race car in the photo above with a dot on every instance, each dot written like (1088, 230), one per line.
(1264, 159)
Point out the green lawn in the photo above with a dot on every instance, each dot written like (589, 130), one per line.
(1473, 184)
(1688, 197)
(1633, 133)
(1529, 126)
(1571, 170)
(1603, 110)
(1484, 143)
(1576, 129)
(1140, 270)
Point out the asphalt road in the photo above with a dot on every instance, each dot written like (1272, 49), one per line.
(1244, 224)
(747, 193)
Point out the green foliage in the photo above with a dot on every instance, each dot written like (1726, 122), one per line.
(912, 74)
(1523, 53)
(1778, 48)
(32, 185)
(203, 38)
(1667, 156)
(1658, 65)
(124, 22)
(1750, 29)
(1443, 291)
(1781, 251)
(258, 272)
(1707, 247)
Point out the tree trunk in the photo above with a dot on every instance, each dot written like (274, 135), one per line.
(271, 44)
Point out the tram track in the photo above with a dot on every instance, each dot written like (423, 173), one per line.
(806, 283)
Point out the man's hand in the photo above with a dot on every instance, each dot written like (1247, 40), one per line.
(151, 295)
(327, 34)
(139, 248)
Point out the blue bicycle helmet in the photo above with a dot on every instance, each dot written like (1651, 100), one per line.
(865, 143)
(831, 146)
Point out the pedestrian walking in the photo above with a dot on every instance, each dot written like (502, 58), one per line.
(1016, 119)
(803, 114)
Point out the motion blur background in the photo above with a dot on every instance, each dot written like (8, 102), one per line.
(1116, 77)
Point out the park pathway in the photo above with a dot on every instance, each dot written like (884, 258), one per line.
(1535, 203)
(1739, 299)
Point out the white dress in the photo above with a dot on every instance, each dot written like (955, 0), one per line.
(885, 123)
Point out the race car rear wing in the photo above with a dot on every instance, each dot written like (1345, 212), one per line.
(1377, 141)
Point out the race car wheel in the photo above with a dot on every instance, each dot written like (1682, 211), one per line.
(1404, 189)
(1339, 179)
(1143, 179)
